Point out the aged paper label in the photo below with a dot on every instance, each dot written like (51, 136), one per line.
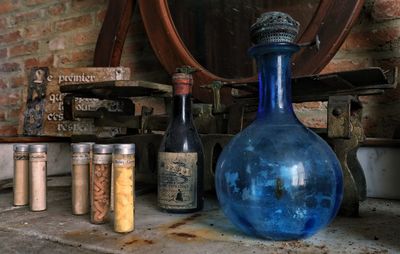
(177, 180)
(102, 158)
(80, 158)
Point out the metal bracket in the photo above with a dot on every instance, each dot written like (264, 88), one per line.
(339, 116)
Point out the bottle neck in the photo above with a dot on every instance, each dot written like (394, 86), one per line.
(274, 71)
(182, 108)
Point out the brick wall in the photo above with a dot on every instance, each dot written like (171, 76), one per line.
(58, 33)
(373, 41)
(63, 34)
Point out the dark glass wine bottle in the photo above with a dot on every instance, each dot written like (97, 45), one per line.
(180, 158)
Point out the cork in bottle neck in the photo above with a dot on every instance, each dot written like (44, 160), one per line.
(182, 83)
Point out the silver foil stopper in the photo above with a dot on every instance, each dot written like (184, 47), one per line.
(21, 147)
(124, 148)
(98, 148)
(39, 148)
(274, 27)
(80, 148)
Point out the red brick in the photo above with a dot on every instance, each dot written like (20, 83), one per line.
(2, 116)
(371, 38)
(24, 49)
(8, 130)
(38, 30)
(386, 9)
(85, 38)
(7, 6)
(337, 65)
(3, 84)
(19, 81)
(3, 53)
(40, 62)
(13, 114)
(57, 9)
(3, 23)
(309, 105)
(87, 4)
(11, 98)
(36, 2)
(74, 23)
(26, 16)
(101, 14)
(10, 37)
(77, 56)
(9, 67)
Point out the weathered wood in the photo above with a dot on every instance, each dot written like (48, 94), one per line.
(44, 116)
(118, 89)
(335, 20)
(111, 39)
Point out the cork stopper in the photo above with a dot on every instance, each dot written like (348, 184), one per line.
(274, 27)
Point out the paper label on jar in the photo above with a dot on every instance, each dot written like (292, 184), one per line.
(80, 158)
(102, 158)
(21, 156)
(124, 162)
(177, 180)
(37, 157)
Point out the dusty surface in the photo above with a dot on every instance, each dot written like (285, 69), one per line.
(58, 231)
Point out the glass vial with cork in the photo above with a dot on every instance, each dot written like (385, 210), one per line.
(37, 177)
(80, 178)
(124, 187)
(20, 180)
(101, 182)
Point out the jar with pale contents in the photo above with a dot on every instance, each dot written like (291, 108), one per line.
(124, 187)
(20, 180)
(101, 183)
(38, 177)
(80, 178)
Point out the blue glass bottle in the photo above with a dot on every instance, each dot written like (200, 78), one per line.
(277, 179)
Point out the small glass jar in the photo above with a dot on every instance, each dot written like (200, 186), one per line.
(80, 178)
(124, 187)
(20, 180)
(37, 177)
(101, 183)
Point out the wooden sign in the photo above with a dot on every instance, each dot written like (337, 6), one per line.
(44, 112)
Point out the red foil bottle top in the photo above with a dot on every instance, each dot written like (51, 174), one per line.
(182, 83)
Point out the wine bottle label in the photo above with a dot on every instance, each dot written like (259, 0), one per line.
(177, 180)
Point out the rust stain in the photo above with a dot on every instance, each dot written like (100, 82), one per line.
(184, 221)
(130, 242)
(148, 241)
(137, 241)
(186, 235)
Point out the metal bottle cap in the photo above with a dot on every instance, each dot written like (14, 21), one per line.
(274, 27)
(38, 148)
(124, 148)
(80, 148)
(100, 148)
(21, 148)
